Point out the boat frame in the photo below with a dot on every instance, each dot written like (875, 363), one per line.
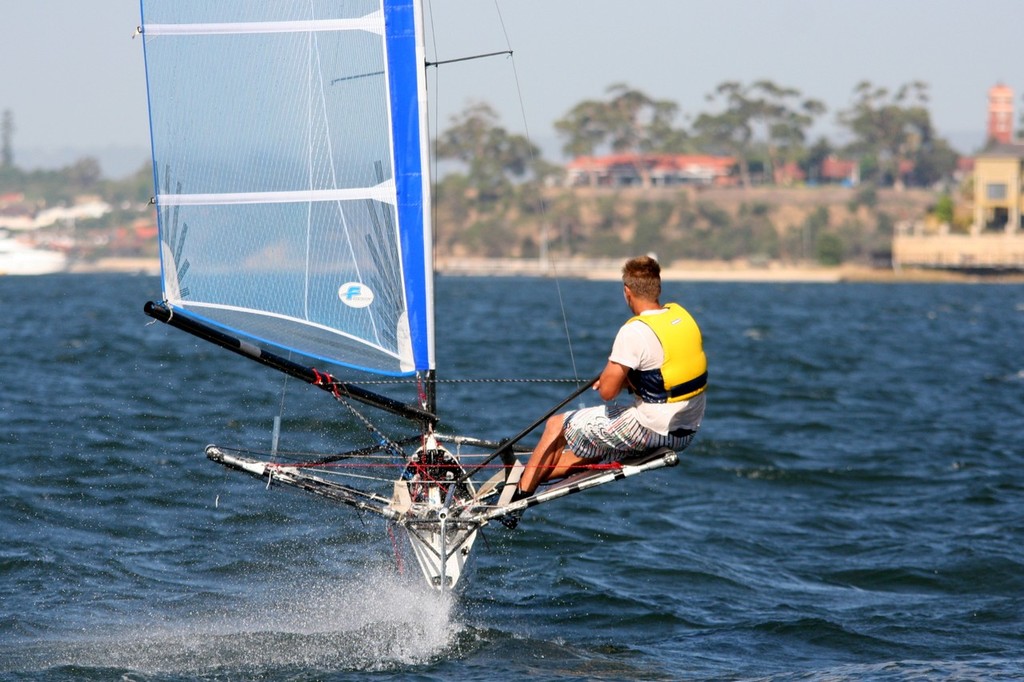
(441, 526)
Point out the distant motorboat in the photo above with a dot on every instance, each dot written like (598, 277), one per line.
(20, 258)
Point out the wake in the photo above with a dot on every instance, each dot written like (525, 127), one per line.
(370, 622)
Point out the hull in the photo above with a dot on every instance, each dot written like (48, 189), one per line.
(19, 259)
(435, 504)
(430, 490)
(425, 505)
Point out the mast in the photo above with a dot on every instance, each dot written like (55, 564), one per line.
(430, 393)
(406, 50)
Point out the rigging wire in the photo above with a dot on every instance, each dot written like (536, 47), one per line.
(276, 435)
(547, 265)
(382, 441)
(433, 121)
(546, 262)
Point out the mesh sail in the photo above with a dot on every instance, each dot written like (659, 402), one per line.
(289, 154)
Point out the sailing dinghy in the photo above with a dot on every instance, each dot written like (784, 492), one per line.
(290, 161)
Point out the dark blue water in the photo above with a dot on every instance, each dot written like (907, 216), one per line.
(853, 508)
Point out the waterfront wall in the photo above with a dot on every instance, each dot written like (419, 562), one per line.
(959, 251)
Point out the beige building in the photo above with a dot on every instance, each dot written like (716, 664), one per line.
(998, 189)
(996, 238)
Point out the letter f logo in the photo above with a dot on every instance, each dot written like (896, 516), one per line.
(355, 294)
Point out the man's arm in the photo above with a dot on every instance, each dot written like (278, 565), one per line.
(612, 380)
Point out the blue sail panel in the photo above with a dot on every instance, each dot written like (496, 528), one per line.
(406, 61)
(290, 196)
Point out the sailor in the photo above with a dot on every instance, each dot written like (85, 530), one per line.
(658, 356)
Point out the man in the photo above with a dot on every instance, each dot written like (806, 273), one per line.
(658, 355)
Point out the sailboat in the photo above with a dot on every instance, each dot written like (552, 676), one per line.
(21, 258)
(291, 167)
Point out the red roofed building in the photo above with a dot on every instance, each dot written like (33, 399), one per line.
(844, 171)
(624, 170)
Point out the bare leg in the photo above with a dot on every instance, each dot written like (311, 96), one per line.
(567, 464)
(544, 456)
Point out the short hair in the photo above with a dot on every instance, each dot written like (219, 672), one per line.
(643, 277)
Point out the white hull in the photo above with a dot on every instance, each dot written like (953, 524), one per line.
(20, 259)
(423, 502)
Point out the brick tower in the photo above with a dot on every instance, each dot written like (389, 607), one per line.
(1000, 114)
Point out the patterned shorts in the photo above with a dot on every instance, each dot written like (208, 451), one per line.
(612, 432)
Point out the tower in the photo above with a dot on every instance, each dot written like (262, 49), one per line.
(1000, 114)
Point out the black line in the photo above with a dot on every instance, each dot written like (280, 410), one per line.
(466, 59)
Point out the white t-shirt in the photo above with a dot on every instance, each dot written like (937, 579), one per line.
(637, 346)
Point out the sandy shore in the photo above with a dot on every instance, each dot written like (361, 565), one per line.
(705, 271)
(605, 270)
(135, 266)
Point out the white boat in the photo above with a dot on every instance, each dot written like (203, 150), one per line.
(18, 257)
(293, 198)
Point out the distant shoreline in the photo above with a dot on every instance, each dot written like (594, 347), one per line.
(712, 271)
(608, 270)
(132, 266)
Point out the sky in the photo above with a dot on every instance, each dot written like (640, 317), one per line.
(74, 78)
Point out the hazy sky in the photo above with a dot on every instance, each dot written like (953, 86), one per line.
(73, 76)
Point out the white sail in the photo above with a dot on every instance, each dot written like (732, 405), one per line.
(289, 149)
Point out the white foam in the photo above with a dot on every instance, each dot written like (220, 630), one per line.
(373, 621)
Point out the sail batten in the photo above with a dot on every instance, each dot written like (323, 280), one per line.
(201, 311)
(372, 22)
(385, 192)
(290, 157)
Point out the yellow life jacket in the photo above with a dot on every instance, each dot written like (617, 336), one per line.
(684, 373)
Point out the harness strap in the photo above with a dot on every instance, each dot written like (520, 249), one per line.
(689, 386)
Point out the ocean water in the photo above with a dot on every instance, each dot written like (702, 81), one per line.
(852, 509)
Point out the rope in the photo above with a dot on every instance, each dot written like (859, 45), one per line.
(378, 382)
(386, 443)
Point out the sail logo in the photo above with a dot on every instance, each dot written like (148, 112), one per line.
(355, 294)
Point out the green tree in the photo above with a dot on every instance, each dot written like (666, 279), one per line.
(814, 225)
(585, 126)
(829, 248)
(895, 130)
(1019, 135)
(934, 161)
(814, 157)
(492, 155)
(944, 209)
(630, 121)
(84, 175)
(761, 114)
(137, 188)
(7, 139)
(455, 209)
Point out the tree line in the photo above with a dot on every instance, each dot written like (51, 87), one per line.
(501, 192)
(762, 125)
(504, 188)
